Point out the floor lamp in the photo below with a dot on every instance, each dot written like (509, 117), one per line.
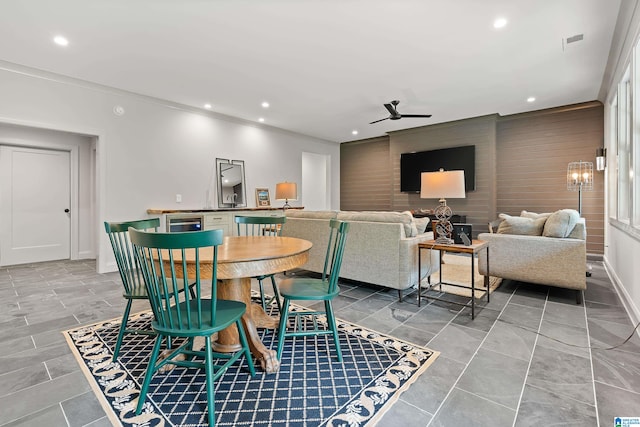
(442, 185)
(579, 178)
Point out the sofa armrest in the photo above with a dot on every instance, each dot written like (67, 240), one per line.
(536, 259)
(409, 258)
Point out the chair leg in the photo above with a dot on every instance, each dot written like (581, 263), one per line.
(123, 327)
(399, 295)
(282, 326)
(208, 365)
(245, 346)
(332, 325)
(151, 368)
(264, 304)
(276, 294)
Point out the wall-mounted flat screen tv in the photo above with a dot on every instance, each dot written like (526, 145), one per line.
(456, 158)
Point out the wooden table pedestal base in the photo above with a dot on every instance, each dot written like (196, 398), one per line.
(254, 317)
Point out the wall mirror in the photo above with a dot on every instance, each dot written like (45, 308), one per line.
(231, 186)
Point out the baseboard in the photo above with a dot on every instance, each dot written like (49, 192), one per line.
(629, 306)
(86, 255)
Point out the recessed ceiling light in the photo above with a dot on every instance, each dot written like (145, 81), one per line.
(207, 106)
(261, 119)
(265, 104)
(499, 23)
(60, 41)
(354, 132)
(531, 99)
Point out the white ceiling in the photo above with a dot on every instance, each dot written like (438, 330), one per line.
(325, 66)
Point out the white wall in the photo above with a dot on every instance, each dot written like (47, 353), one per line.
(156, 149)
(622, 248)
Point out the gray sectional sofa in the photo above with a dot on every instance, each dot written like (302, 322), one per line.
(547, 249)
(381, 248)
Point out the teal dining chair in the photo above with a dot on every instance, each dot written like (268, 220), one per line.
(307, 289)
(162, 257)
(130, 274)
(262, 226)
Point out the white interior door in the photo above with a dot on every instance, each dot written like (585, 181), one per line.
(315, 187)
(35, 199)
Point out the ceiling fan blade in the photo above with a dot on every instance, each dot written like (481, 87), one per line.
(379, 120)
(391, 108)
(416, 115)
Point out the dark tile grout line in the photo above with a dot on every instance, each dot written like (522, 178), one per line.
(593, 376)
(533, 352)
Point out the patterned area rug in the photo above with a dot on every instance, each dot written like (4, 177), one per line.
(457, 269)
(310, 389)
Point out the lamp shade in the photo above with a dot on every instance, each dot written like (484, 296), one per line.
(442, 185)
(286, 191)
(580, 176)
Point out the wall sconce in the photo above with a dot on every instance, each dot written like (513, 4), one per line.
(580, 177)
(601, 159)
(286, 191)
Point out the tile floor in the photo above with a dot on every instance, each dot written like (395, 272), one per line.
(531, 356)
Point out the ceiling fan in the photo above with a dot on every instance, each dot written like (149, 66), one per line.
(394, 115)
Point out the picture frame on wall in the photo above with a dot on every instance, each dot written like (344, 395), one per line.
(262, 197)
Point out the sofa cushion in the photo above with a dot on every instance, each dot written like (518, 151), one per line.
(520, 225)
(561, 223)
(533, 215)
(422, 224)
(299, 213)
(404, 218)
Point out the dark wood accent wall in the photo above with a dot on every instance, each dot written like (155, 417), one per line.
(365, 175)
(521, 163)
(479, 131)
(533, 152)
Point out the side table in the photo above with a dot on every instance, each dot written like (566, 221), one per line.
(473, 249)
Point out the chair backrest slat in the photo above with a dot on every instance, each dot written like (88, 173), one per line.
(163, 260)
(259, 225)
(118, 233)
(335, 251)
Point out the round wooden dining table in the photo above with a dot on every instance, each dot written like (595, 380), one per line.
(239, 259)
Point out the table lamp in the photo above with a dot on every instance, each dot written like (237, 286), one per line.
(442, 185)
(286, 191)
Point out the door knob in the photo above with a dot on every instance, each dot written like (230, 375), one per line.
(66, 210)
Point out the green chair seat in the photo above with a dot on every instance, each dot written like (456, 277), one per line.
(310, 289)
(307, 289)
(226, 314)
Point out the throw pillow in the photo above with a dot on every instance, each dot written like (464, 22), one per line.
(412, 225)
(519, 225)
(422, 224)
(561, 223)
(534, 215)
(493, 225)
